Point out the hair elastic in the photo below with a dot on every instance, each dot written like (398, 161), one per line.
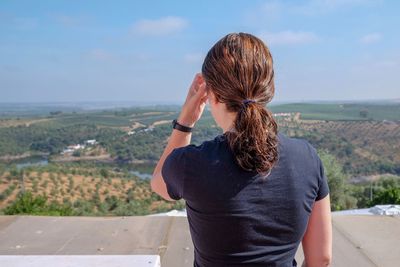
(247, 101)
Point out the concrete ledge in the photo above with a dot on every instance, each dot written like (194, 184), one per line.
(80, 260)
(358, 240)
(165, 236)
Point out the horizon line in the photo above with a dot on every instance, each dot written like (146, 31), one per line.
(150, 103)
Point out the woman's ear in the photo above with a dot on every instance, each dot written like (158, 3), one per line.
(211, 97)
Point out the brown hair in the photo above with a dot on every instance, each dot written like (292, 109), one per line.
(239, 67)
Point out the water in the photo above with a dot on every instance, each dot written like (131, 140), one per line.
(43, 161)
(31, 161)
(144, 176)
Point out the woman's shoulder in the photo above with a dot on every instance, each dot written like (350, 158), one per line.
(206, 145)
(291, 143)
(295, 146)
(205, 149)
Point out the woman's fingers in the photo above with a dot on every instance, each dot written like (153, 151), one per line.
(202, 87)
(196, 98)
(197, 93)
(196, 84)
(192, 88)
(198, 79)
(203, 99)
(199, 76)
(201, 91)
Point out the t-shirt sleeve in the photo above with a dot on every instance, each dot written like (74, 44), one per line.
(323, 188)
(173, 171)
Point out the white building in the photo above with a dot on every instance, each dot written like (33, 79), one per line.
(91, 142)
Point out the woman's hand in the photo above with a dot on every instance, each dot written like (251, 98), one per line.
(190, 114)
(195, 102)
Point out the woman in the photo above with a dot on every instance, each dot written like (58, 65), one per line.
(252, 193)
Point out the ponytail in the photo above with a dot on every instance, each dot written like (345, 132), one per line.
(254, 142)
(237, 68)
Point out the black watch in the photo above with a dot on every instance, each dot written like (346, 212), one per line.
(181, 127)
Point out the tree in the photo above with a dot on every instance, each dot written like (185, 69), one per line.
(104, 173)
(26, 203)
(390, 195)
(337, 182)
(364, 113)
(77, 153)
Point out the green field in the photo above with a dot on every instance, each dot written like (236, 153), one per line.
(354, 111)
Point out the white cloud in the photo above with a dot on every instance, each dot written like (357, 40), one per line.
(371, 38)
(387, 64)
(161, 26)
(25, 23)
(288, 38)
(100, 54)
(270, 11)
(342, 3)
(19, 23)
(324, 6)
(12, 68)
(68, 20)
(372, 65)
(194, 57)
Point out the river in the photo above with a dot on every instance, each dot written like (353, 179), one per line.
(143, 172)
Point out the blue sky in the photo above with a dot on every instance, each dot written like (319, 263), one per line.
(149, 51)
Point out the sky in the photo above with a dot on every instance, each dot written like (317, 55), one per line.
(149, 51)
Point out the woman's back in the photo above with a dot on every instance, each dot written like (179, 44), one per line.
(237, 217)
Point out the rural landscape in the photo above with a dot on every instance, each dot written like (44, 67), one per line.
(98, 161)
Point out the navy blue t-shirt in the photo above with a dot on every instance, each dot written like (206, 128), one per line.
(236, 218)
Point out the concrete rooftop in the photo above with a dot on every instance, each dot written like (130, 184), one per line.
(358, 240)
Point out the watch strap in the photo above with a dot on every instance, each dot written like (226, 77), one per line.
(180, 127)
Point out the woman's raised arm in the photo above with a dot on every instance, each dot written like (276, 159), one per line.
(317, 240)
(191, 112)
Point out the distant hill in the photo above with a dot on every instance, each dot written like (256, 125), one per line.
(343, 111)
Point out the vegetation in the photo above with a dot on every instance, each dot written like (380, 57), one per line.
(27, 203)
(355, 142)
(387, 196)
(343, 111)
(336, 180)
(362, 147)
(79, 189)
